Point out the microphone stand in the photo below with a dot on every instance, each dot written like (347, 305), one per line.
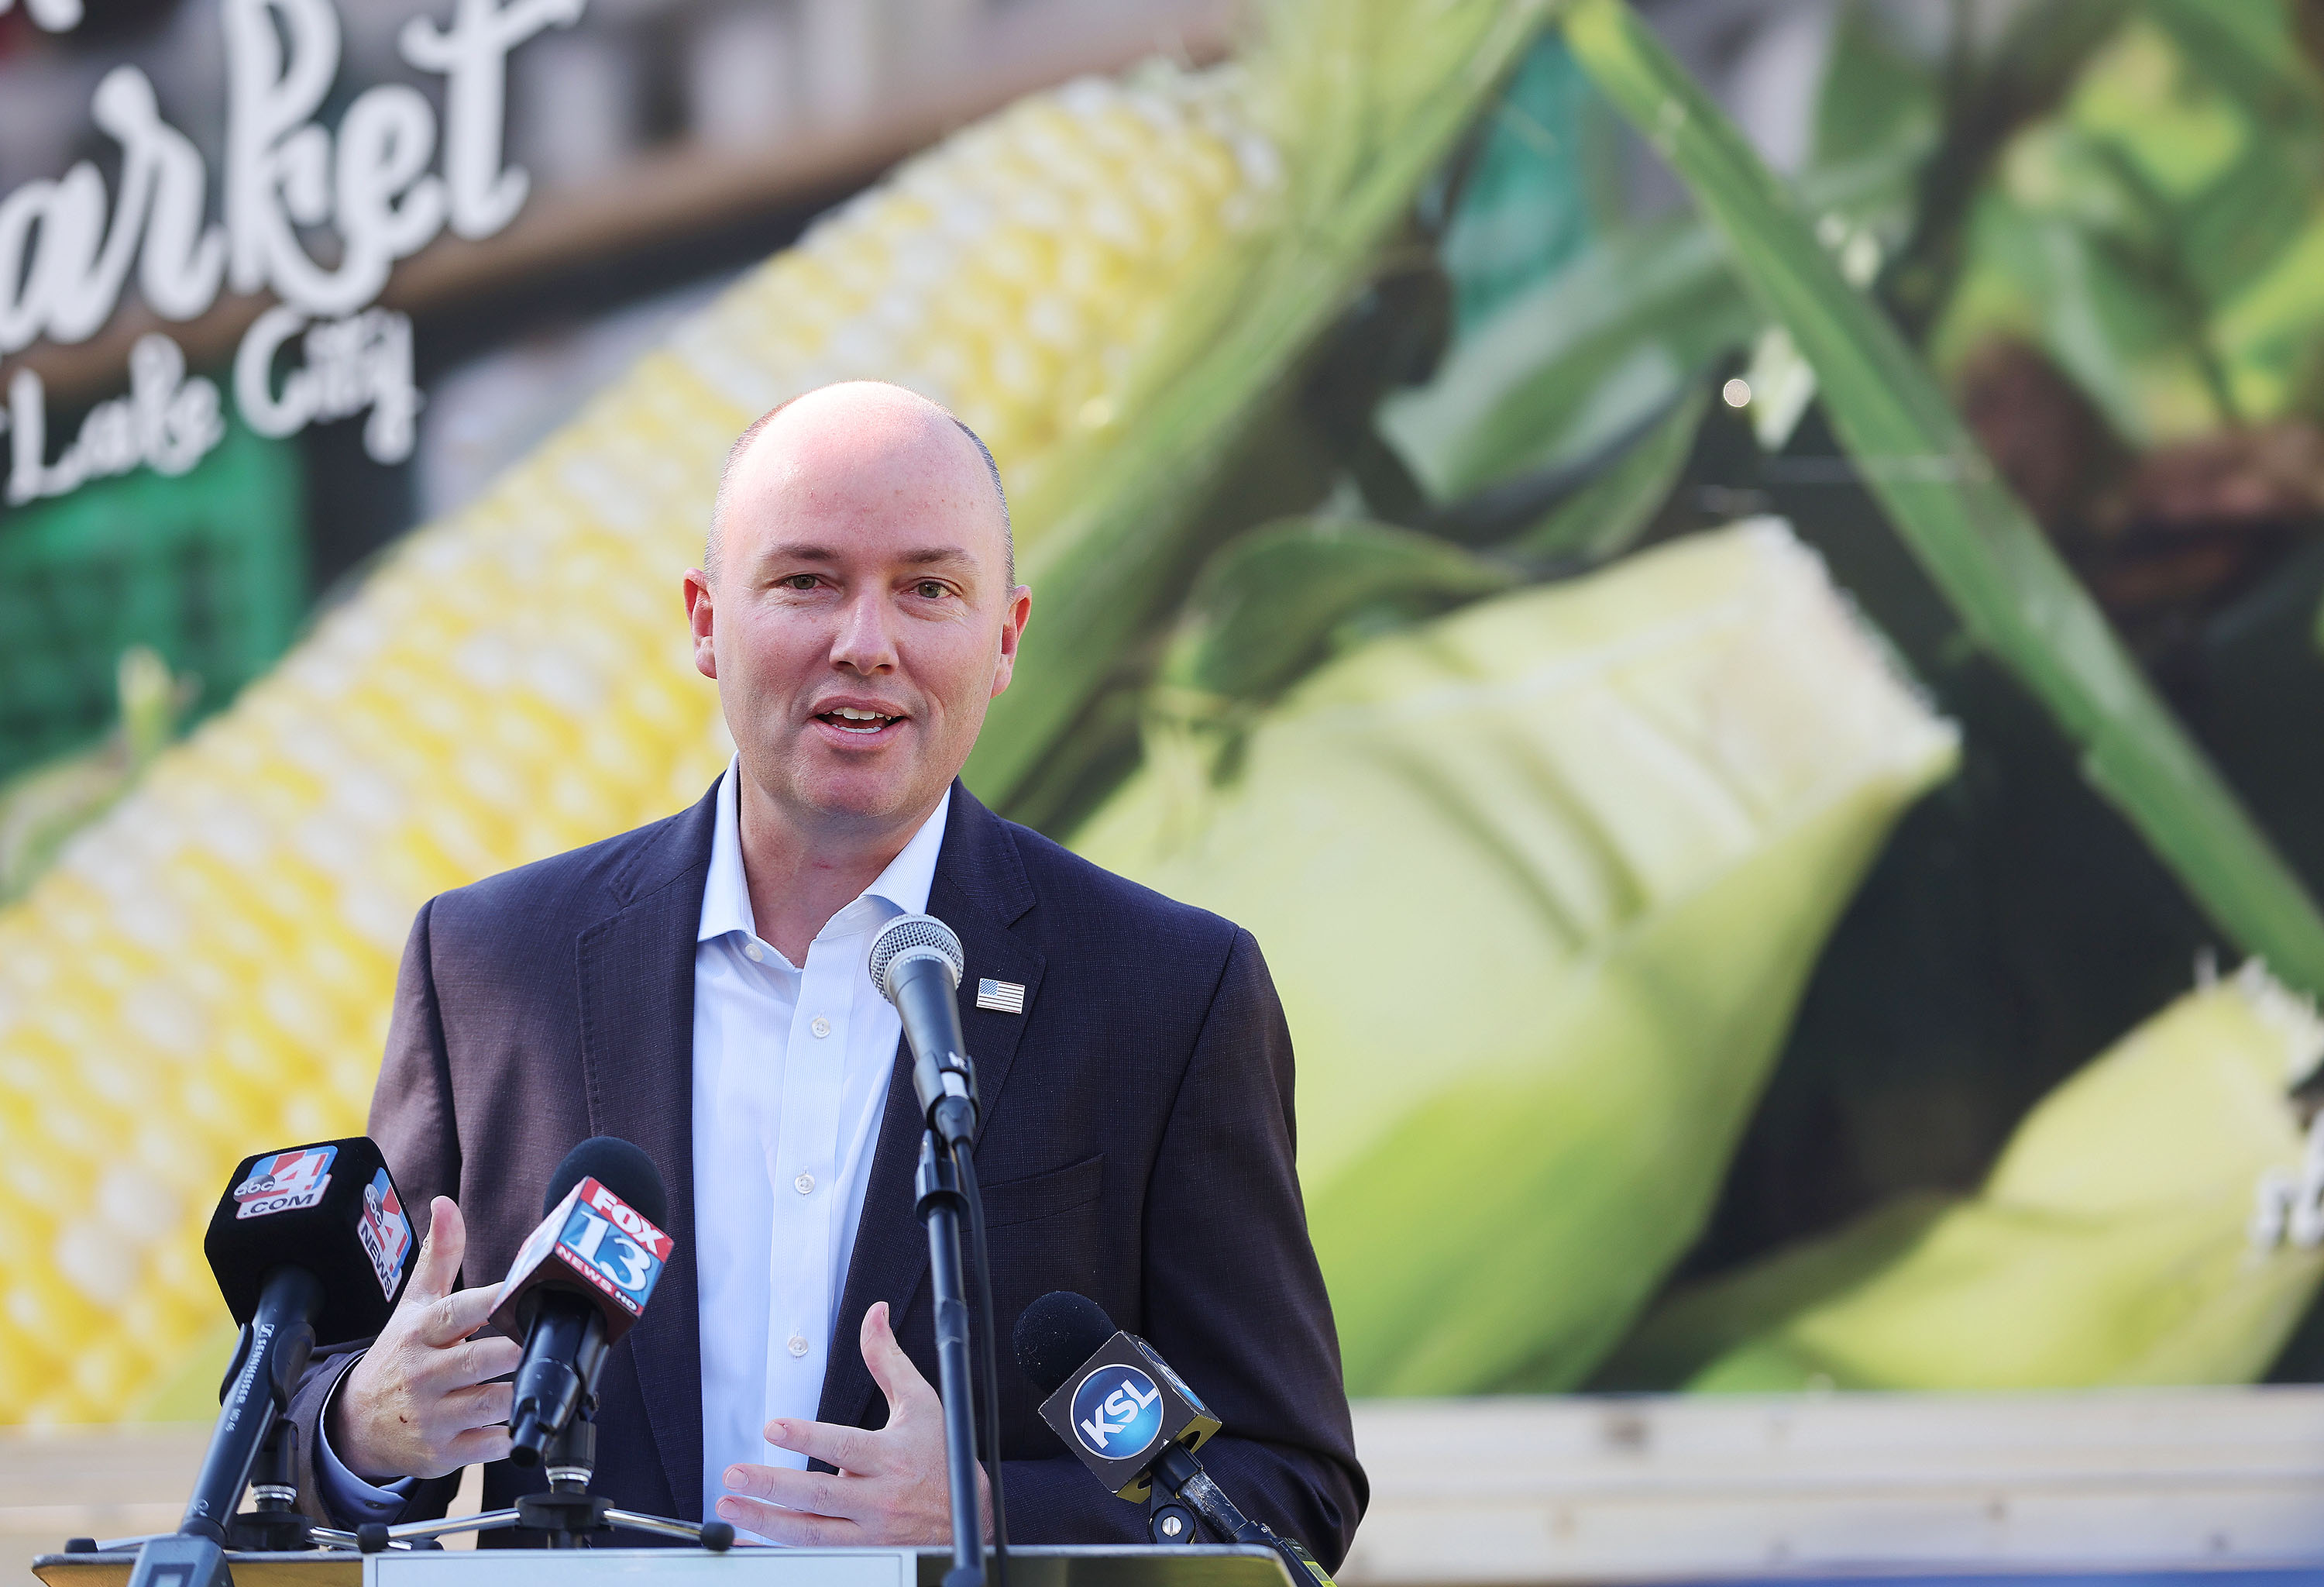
(568, 1514)
(939, 1208)
(271, 1525)
(273, 1351)
(944, 1081)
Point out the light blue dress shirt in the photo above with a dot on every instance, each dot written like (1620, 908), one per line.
(792, 1066)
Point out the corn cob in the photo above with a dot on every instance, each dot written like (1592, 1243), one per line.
(1540, 883)
(2151, 1222)
(207, 970)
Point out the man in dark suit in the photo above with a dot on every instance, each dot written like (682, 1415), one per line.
(696, 986)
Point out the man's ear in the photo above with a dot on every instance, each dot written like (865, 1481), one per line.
(701, 618)
(1012, 632)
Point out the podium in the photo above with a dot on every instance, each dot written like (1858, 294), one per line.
(1187, 1566)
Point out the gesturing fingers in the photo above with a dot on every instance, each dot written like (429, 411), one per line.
(794, 1527)
(465, 1410)
(892, 1369)
(819, 1493)
(482, 1359)
(418, 1403)
(440, 1254)
(479, 1447)
(450, 1318)
(891, 1486)
(851, 1449)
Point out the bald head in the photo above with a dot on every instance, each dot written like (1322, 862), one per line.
(858, 608)
(896, 416)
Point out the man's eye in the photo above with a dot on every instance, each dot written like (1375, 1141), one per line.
(801, 581)
(930, 590)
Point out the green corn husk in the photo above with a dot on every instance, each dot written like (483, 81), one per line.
(1368, 98)
(1606, 517)
(1643, 309)
(2158, 236)
(1272, 604)
(1571, 363)
(1973, 539)
(1540, 882)
(1696, 1323)
(2117, 1242)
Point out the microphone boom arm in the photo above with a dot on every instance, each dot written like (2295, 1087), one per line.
(1178, 1471)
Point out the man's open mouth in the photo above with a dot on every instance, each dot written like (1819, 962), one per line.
(848, 719)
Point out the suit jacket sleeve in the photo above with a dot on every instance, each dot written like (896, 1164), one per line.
(1234, 1299)
(412, 1120)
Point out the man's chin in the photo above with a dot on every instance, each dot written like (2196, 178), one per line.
(863, 797)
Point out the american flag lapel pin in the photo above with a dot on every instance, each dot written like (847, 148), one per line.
(1002, 997)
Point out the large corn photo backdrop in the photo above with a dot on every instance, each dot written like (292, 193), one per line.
(1100, 279)
(1543, 834)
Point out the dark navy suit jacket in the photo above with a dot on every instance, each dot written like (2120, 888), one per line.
(1137, 1147)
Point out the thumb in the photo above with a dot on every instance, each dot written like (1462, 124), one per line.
(438, 1267)
(892, 1369)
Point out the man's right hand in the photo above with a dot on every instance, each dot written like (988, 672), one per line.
(416, 1403)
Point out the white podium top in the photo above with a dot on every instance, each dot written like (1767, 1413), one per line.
(1191, 1565)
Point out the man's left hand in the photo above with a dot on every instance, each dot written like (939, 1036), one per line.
(889, 1488)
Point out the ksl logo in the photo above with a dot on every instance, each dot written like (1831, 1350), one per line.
(1117, 1412)
(610, 1243)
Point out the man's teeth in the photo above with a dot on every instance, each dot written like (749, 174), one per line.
(854, 721)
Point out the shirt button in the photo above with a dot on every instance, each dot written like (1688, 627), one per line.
(799, 1344)
(804, 1184)
(752, 953)
(821, 1026)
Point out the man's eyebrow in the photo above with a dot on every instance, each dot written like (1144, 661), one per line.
(926, 557)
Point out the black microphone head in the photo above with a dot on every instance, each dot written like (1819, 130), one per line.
(618, 1165)
(908, 937)
(1108, 1395)
(1055, 1334)
(330, 1208)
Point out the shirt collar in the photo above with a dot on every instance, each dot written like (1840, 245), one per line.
(903, 886)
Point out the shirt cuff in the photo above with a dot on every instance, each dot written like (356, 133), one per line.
(344, 1494)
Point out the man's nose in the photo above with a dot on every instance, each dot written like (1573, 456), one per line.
(863, 643)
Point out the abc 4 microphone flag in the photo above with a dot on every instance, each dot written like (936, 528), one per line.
(1121, 1409)
(607, 1243)
(303, 1204)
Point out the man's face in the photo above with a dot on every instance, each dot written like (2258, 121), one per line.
(861, 621)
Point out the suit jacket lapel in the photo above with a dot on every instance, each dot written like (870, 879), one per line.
(637, 1041)
(980, 890)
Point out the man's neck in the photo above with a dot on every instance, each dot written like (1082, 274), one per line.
(800, 875)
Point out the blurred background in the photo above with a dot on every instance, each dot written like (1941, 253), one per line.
(1766, 553)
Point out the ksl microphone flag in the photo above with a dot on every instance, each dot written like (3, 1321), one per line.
(1132, 1420)
(600, 1238)
(1122, 1408)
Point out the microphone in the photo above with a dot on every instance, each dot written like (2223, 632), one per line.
(917, 964)
(1133, 1421)
(309, 1243)
(580, 1282)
